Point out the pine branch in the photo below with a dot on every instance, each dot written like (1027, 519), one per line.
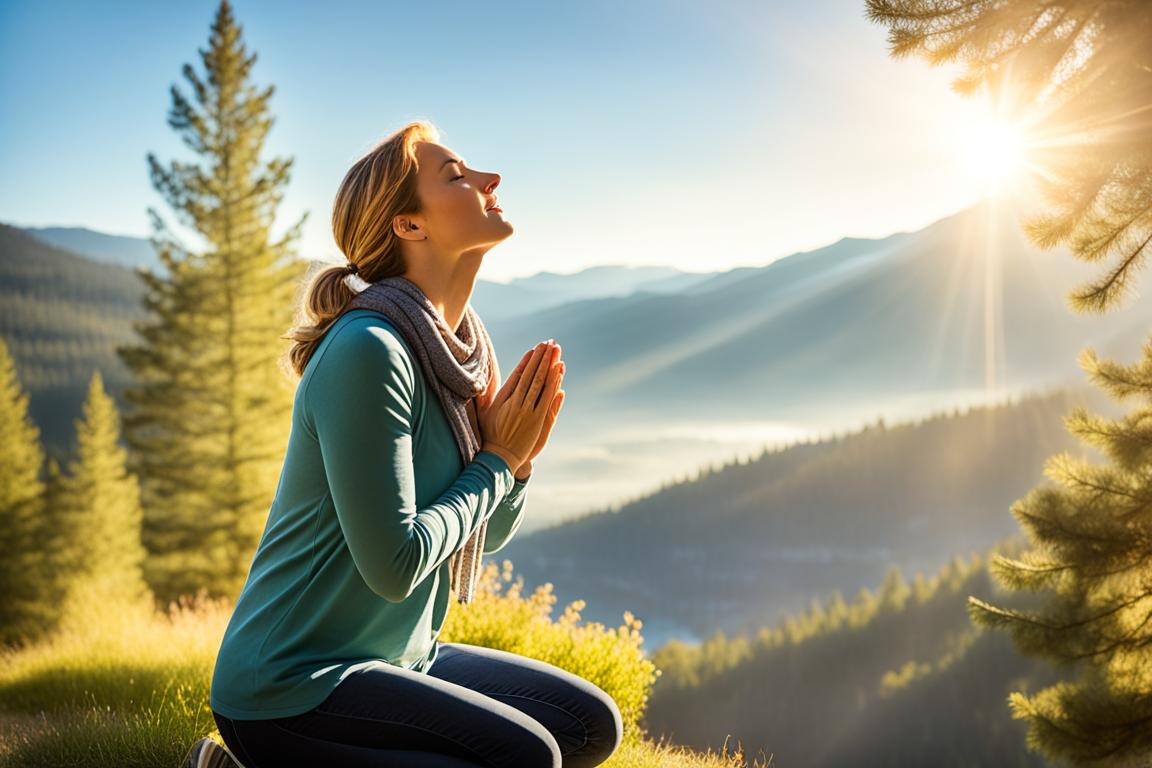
(1098, 296)
(1121, 381)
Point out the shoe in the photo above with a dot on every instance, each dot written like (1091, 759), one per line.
(208, 753)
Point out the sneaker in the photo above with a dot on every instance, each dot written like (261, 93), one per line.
(208, 753)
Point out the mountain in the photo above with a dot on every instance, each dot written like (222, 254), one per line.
(961, 305)
(121, 250)
(519, 296)
(71, 296)
(63, 316)
(526, 295)
(742, 545)
(611, 280)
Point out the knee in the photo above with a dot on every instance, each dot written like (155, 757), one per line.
(533, 746)
(605, 731)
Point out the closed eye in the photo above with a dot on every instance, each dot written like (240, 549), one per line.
(456, 177)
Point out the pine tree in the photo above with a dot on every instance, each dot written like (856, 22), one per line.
(894, 591)
(922, 588)
(211, 405)
(1089, 535)
(23, 608)
(838, 611)
(1080, 73)
(55, 541)
(102, 556)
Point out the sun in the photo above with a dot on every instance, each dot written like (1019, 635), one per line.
(995, 153)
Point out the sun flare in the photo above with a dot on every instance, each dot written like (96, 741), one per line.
(995, 153)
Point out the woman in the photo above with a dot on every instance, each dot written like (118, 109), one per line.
(404, 466)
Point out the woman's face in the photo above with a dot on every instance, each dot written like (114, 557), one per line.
(456, 201)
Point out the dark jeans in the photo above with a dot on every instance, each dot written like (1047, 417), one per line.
(474, 706)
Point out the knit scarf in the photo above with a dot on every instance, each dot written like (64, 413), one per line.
(457, 365)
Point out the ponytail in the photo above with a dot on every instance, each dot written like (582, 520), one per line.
(326, 298)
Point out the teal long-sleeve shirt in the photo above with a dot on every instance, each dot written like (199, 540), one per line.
(352, 567)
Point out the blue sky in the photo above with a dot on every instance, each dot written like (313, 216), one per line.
(702, 135)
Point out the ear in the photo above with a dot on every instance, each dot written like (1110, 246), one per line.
(407, 227)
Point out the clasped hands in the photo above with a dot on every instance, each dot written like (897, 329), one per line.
(515, 421)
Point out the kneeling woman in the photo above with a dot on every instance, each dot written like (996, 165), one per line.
(404, 466)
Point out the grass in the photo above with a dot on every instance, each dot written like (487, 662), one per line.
(132, 692)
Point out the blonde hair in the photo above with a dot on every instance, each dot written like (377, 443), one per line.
(378, 186)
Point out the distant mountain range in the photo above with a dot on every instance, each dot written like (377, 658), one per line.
(519, 296)
(121, 250)
(965, 303)
(70, 297)
(524, 295)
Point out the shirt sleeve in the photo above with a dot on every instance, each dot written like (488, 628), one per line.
(506, 520)
(360, 397)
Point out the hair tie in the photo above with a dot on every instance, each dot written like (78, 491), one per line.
(354, 282)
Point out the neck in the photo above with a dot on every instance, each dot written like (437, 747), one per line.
(449, 289)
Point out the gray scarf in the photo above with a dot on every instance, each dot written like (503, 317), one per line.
(457, 365)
